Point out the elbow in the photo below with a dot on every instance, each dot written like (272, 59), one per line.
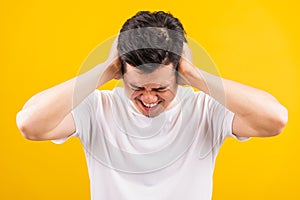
(279, 121)
(24, 127)
(27, 135)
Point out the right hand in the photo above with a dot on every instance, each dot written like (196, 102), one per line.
(112, 65)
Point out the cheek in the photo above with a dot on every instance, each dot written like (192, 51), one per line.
(170, 94)
(131, 94)
(167, 96)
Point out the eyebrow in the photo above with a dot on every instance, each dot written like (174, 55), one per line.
(134, 86)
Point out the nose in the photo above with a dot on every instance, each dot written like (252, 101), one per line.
(149, 97)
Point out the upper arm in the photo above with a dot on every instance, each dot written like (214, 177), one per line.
(243, 128)
(240, 127)
(64, 129)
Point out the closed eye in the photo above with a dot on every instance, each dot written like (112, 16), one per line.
(136, 88)
(160, 89)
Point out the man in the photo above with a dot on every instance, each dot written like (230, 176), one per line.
(152, 139)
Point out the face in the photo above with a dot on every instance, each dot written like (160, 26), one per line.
(152, 92)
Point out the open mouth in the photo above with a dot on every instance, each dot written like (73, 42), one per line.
(150, 106)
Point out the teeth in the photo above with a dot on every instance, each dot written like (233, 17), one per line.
(150, 105)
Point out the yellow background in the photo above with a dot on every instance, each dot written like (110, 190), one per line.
(43, 43)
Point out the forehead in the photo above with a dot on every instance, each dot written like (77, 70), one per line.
(163, 75)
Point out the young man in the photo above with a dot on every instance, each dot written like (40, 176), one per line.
(152, 139)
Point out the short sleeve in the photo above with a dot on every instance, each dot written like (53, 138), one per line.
(82, 115)
(221, 120)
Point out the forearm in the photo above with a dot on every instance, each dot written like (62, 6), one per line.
(46, 110)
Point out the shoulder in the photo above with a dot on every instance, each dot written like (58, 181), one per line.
(188, 94)
(110, 98)
(197, 100)
(103, 94)
(97, 98)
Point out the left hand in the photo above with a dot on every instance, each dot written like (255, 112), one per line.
(187, 73)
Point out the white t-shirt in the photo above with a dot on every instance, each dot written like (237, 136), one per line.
(133, 157)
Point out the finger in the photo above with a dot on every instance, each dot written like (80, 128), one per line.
(187, 53)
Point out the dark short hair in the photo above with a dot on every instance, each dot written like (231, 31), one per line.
(150, 39)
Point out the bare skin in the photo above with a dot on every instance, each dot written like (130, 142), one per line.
(151, 93)
(47, 115)
(257, 113)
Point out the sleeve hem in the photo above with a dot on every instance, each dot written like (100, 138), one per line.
(239, 138)
(75, 134)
